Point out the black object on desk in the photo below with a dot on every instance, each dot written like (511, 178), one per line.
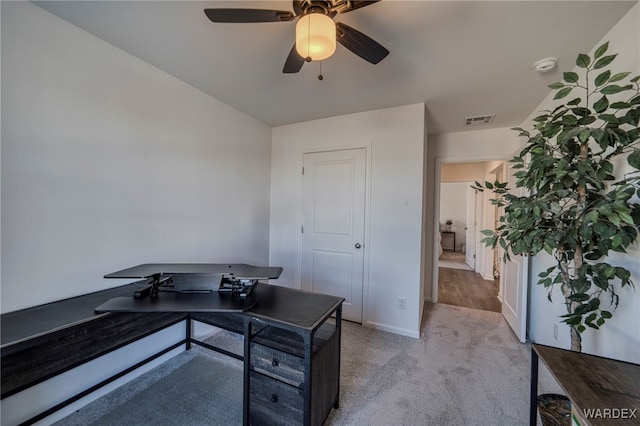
(239, 270)
(234, 278)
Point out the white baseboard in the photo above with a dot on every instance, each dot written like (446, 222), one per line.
(395, 330)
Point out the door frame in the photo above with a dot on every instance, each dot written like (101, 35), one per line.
(367, 145)
(522, 335)
(436, 212)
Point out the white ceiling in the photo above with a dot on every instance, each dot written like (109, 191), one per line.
(461, 58)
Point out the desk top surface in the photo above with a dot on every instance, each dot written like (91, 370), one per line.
(593, 382)
(293, 307)
(29, 322)
(238, 270)
(284, 305)
(179, 302)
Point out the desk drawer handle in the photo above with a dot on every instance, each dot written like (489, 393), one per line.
(274, 397)
(275, 362)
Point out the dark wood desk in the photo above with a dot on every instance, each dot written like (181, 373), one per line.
(291, 353)
(591, 383)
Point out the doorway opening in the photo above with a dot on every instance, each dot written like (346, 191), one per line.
(468, 272)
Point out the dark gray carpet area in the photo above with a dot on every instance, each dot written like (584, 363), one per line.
(195, 388)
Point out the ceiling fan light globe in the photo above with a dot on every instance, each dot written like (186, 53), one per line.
(315, 36)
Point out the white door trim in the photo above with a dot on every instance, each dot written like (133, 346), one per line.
(436, 209)
(521, 331)
(367, 145)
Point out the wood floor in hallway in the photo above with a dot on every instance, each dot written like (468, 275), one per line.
(468, 289)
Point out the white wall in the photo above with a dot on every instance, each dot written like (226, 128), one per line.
(453, 205)
(459, 147)
(395, 139)
(108, 162)
(462, 172)
(620, 337)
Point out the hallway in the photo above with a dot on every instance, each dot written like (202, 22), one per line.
(468, 289)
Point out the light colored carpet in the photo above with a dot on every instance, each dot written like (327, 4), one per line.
(453, 260)
(466, 369)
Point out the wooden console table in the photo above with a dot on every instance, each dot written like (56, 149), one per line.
(592, 383)
(448, 240)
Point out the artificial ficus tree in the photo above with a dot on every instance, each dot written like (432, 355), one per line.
(579, 205)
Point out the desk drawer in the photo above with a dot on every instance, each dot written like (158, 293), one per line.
(277, 364)
(272, 402)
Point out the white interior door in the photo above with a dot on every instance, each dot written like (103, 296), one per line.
(334, 185)
(514, 281)
(470, 229)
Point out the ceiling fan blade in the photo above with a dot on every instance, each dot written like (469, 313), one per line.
(294, 62)
(248, 15)
(360, 44)
(357, 4)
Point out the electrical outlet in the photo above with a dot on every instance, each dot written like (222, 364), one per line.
(402, 303)
(555, 331)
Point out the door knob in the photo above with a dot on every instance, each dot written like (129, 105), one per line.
(358, 245)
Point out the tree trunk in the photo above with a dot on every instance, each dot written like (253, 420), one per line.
(576, 338)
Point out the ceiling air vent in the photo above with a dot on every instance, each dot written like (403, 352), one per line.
(478, 120)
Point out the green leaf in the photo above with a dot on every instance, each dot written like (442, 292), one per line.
(634, 159)
(570, 77)
(602, 78)
(580, 297)
(563, 93)
(606, 314)
(555, 86)
(609, 118)
(569, 120)
(604, 61)
(612, 89)
(583, 60)
(584, 135)
(601, 50)
(619, 76)
(573, 320)
(620, 105)
(601, 104)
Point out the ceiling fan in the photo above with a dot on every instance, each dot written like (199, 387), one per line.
(316, 32)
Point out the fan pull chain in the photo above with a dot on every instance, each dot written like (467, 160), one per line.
(320, 77)
(308, 58)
